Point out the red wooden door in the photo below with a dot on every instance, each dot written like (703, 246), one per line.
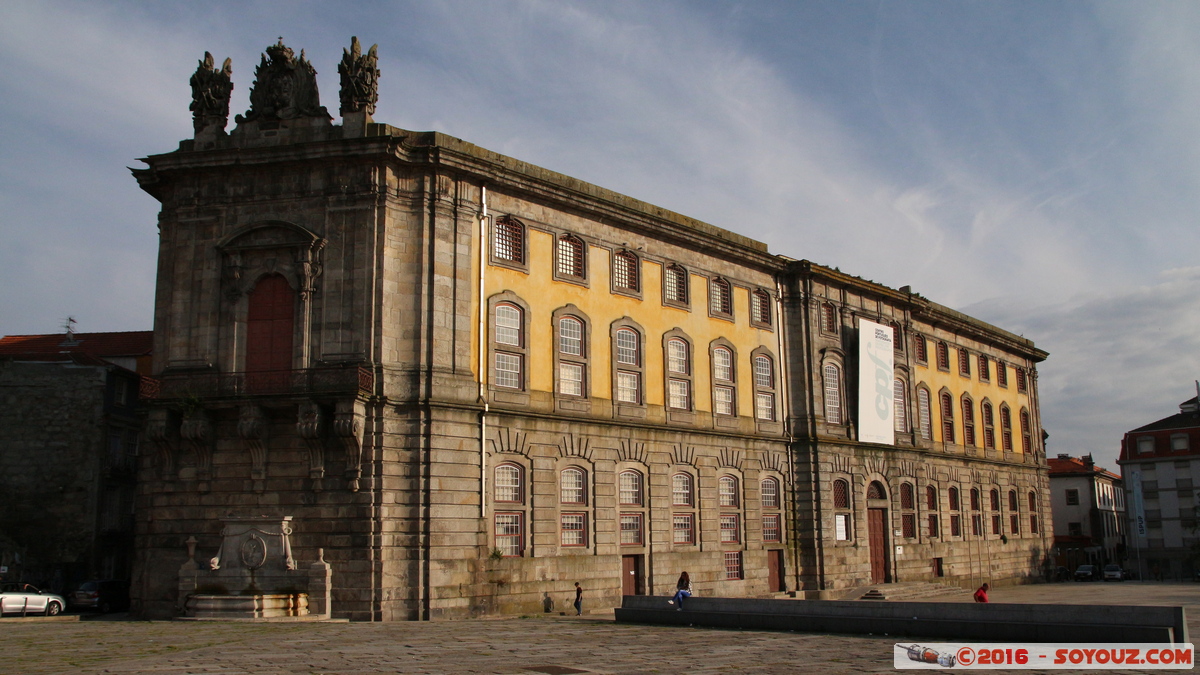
(775, 571)
(270, 323)
(877, 534)
(631, 575)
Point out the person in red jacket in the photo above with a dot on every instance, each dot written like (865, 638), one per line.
(981, 594)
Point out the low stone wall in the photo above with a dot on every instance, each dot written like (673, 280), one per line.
(954, 620)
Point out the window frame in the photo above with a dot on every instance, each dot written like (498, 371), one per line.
(925, 413)
(581, 360)
(635, 272)
(672, 377)
(690, 492)
(762, 309)
(720, 291)
(519, 351)
(639, 490)
(899, 405)
(573, 271)
(636, 371)
(772, 534)
(920, 349)
(946, 405)
(583, 485)
(943, 356)
(670, 272)
(833, 407)
(518, 537)
(583, 529)
(729, 492)
(723, 383)
(776, 490)
(968, 422)
(988, 420)
(828, 319)
(964, 362)
(496, 483)
(765, 390)
(510, 224)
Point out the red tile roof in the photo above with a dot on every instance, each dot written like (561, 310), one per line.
(1075, 465)
(84, 347)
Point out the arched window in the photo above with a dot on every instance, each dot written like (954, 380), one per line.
(570, 257)
(1033, 513)
(906, 496)
(899, 406)
(764, 384)
(572, 486)
(770, 493)
(509, 241)
(964, 362)
(675, 285)
(572, 357)
(630, 487)
(1026, 438)
(627, 353)
(720, 297)
(1021, 384)
(625, 272)
(570, 336)
(1006, 436)
(897, 337)
(508, 325)
(727, 491)
(985, 370)
(723, 389)
(908, 519)
(968, 408)
(995, 499)
(1001, 374)
(760, 308)
(875, 491)
(974, 499)
(924, 416)
(679, 371)
(829, 322)
(954, 504)
(1012, 500)
(943, 356)
(682, 493)
(677, 357)
(947, 418)
(842, 516)
(833, 394)
(509, 486)
(510, 342)
(989, 431)
(920, 349)
(931, 501)
(841, 494)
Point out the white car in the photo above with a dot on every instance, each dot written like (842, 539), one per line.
(1113, 573)
(25, 599)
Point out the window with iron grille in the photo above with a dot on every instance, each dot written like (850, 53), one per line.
(572, 488)
(1032, 502)
(508, 484)
(574, 529)
(509, 533)
(676, 284)
(630, 484)
(899, 406)
(1021, 384)
(908, 525)
(955, 526)
(570, 257)
(731, 531)
(985, 370)
(841, 494)
(683, 528)
(727, 491)
(875, 491)
(906, 496)
(933, 525)
(968, 422)
(509, 242)
(733, 564)
(770, 493)
(631, 529)
(760, 308)
(924, 418)
(1006, 428)
(1001, 374)
(947, 418)
(682, 493)
(943, 356)
(625, 272)
(772, 530)
(833, 394)
(1026, 440)
(964, 362)
(920, 349)
(720, 297)
(829, 322)
(989, 431)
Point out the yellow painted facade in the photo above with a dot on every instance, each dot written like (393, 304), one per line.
(935, 379)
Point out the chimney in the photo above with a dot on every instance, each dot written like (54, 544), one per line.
(1088, 462)
(1063, 455)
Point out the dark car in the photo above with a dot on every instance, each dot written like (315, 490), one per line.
(108, 595)
(1087, 573)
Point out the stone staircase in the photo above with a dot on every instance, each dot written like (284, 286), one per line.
(913, 591)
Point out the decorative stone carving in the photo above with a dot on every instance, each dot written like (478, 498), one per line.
(508, 440)
(211, 89)
(271, 246)
(197, 431)
(310, 425)
(360, 79)
(285, 87)
(731, 458)
(252, 429)
(161, 429)
(348, 428)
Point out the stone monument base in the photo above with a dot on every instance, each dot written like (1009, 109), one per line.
(265, 606)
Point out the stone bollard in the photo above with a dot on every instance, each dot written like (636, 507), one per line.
(319, 587)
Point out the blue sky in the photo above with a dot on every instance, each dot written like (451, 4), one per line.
(1031, 163)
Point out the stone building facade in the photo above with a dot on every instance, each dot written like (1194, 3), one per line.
(472, 381)
(1088, 503)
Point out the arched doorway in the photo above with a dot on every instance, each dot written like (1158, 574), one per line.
(270, 324)
(877, 527)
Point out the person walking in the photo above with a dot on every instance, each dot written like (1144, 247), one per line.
(683, 589)
(981, 594)
(578, 599)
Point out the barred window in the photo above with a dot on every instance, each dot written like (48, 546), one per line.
(574, 529)
(923, 414)
(955, 525)
(570, 257)
(1033, 502)
(733, 565)
(906, 496)
(681, 490)
(770, 493)
(1026, 438)
(572, 486)
(933, 525)
(1001, 374)
(727, 490)
(631, 488)
(974, 499)
(875, 491)
(631, 529)
(954, 505)
(683, 528)
(995, 500)
(508, 484)
(772, 529)
(1033, 523)
(676, 284)
(720, 297)
(829, 322)
(625, 271)
(908, 522)
(931, 497)
(1021, 384)
(1012, 500)
(760, 307)
(833, 394)
(509, 240)
(841, 494)
(509, 533)
(731, 531)
(996, 524)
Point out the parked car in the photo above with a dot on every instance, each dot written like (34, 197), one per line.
(107, 595)
(1113, 573)
(1061, 573)
(1086, 573)
(27, 599)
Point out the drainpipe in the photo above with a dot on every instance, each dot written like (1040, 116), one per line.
(483, 254)
(785, 408)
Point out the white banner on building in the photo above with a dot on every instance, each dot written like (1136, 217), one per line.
(1139, 513)
(875, 374)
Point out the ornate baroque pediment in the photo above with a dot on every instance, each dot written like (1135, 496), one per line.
(272, 246)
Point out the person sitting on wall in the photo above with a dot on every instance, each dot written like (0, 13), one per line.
(981, 594)
(683, 589)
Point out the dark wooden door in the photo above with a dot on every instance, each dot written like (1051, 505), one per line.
(270, 323)
(877, 534)
(775, 571)
(631, 575)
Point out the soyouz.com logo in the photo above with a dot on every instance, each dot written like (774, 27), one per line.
(1042, 656)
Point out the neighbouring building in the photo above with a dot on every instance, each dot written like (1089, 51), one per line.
(69, 426)
(472, 381)
(1088, 502)
(1158, 462)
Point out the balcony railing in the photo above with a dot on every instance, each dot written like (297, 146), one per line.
(270, 382)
